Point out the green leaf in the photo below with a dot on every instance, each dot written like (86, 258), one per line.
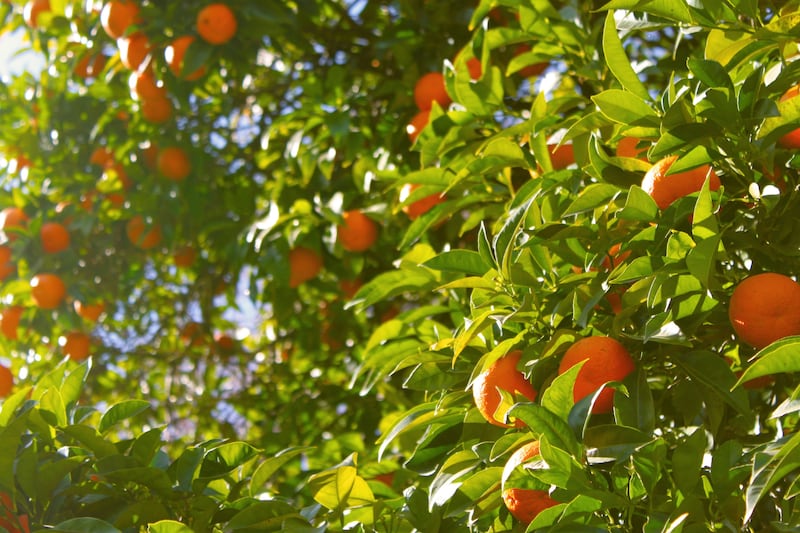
(769, 467)
(687, 459)
(168, 526)
(625, 107)
(84, 525)
(226, 458)
(711, 73)
(713, 371)
(543, 422)
(463, 261)
(558, 398)
(676, 10)
(340, 488)
(121, 411)
(263, 516)
(268, 468)
(593, 196)
(639, 206)
(778, 357)
(722, 45)
(618, 62)
(91, 439)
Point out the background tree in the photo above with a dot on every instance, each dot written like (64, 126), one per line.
(256, 255)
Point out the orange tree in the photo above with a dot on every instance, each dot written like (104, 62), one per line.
(274, 306)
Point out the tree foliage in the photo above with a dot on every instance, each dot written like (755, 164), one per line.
(227, 392)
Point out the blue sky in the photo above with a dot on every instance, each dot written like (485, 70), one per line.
(13, 63)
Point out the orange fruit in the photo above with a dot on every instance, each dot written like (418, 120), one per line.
(666, 188)
(525, 504)
(149, 153)
(7, 267)
(613, 258)
(76, 345)
(192, 334)
(48, 290)
(174, 54)
(142, 234)
(90, 65)
(349, 287)
(431, 88)
(421, 206)
(143, 85)
(475, 68)
(502, 374)
(791, 139)
(224, 342)
(417, 124)
(561, 156)
(102, 157)
(184, 256)
(6, 381)
(173, 163)
(9, 321)
(12, 218)
(358, 232)
(117, 16)
(133, 50)
(216, 23)
(89, 312)
(32, 10)
(764, 308)
(531, 70)
(606, 360)
(629, 147)
(304, 264)
(156, 110)
(55, 237)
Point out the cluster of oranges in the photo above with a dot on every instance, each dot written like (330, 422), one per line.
(48, 292)
(763, 309)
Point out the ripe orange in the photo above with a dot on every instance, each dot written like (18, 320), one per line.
(156, 110)
(7, 266)
(216, 23)
(6, 381)
(665, 189)
(89, 312)
(224, 342)
(350, 287)
(55, 237)
(12, 218)
(143, 85)
(304, 264)
(142, 234)
(764, 308)
(358, 232)
(417, 124)
(431, 88)
(629, 147)
(173, 163)
(90, 65)
(561, 156)
(475, 68)
(184, 256)
(9, 321)
(421, 206)
(48, 290)
(531, 70)
(192, 334)
(117, 16)
(174, 54)
(502, 374)
(613, 258)
(32, 10)
(149, 155)
(606, 360)
(133, 50)
(101, 156)
(76, 345)
(791, 139)
(525, 504)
